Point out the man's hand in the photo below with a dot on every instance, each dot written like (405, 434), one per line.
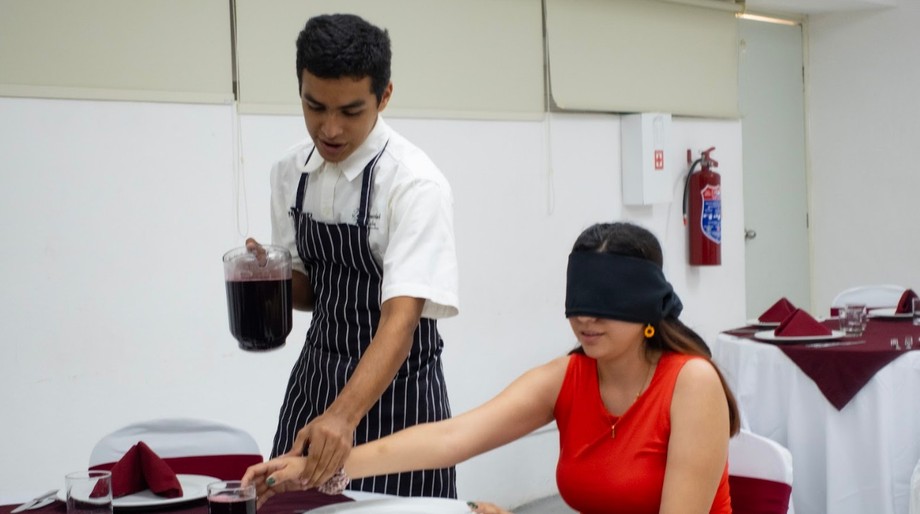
(278, 475)
(254, 247)
(325, 442)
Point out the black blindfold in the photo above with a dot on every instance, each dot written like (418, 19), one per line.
(617, 287)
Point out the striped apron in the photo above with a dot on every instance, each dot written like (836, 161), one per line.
(346, 284)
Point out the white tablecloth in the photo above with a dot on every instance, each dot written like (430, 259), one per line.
(857, 460)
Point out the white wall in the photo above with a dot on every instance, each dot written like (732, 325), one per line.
(863, 111)
(116, 215)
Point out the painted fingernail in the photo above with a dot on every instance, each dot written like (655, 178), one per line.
(270, 481)
(472, 505)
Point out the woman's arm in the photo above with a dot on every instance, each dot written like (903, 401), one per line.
(698, 447)
(522, 407)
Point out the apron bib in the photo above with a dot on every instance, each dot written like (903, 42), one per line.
(346, 283)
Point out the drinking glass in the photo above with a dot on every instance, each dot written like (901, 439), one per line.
(915, 304)
(88, 492)
(259, 291)
(908, 342)
(230, 497)
(853, 319)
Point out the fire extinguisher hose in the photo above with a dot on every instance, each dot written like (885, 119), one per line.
(687, 185)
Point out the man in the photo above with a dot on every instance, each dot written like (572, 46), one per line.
(368, 219)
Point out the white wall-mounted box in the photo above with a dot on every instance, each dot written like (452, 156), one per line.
(647, 163)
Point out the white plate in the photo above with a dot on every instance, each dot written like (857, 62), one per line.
(194, 487)
(757, 323)
(397, 506)
(888, 312)
(768, 335)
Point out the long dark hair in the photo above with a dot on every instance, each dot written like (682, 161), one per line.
(671, 335)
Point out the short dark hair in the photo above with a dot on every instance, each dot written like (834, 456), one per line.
(333, 46)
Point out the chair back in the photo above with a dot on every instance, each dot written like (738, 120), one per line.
(759, 475)
(873, 296)
(189, 446)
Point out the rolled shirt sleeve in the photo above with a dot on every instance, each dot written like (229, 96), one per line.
(421, 259)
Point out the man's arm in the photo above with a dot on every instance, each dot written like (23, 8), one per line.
(327, 439)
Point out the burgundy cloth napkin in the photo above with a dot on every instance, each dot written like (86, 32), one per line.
(799, 324)
(758, 496)
(904, 304)
(777, 312)
(140, 468)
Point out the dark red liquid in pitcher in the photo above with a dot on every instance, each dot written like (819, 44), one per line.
(259, 312)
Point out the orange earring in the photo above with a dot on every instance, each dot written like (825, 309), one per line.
(649, 331)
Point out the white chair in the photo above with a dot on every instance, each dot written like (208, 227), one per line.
(915, 490)
(873, 296)
(189, 446)
(760, 474)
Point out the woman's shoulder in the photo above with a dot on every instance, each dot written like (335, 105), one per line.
(695, 372)
(556, 367)
(682, 360)
(549, 376)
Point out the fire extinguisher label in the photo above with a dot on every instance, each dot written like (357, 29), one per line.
(711, 216)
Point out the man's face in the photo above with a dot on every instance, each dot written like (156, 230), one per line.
(339, 113)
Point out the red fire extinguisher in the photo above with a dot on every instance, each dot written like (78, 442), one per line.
(703, 210)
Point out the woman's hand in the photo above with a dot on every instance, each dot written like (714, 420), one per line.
(486, 508)
(279, 475)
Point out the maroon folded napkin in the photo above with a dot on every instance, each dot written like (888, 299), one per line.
(140, 468)
(904, 304)
(800, 324)
(777, 312)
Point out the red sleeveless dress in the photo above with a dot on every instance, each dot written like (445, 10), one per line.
(597, 473)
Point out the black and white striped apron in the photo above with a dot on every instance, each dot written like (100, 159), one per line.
(346, 284)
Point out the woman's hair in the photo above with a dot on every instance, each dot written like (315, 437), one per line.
(333, 46)
(671, 335)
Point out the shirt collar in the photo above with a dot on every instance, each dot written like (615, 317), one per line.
(355, 163)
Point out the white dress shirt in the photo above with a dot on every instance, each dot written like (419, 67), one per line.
(410, 222)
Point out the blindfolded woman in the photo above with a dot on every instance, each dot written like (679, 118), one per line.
(644, 416)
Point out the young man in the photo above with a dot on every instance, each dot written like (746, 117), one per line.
(368, 219)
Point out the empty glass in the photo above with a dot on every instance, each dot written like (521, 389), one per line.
(88, 492)
(853, 319)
